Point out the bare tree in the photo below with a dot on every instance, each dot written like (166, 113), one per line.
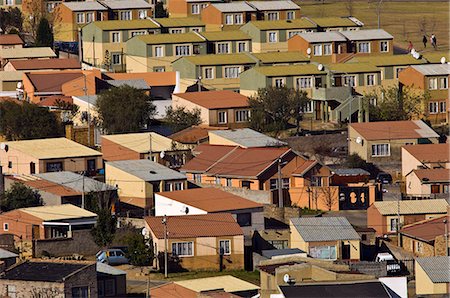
(378, 12)
(423, 25)
(350, 7)
(329, 196)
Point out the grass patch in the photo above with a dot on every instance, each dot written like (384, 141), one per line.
(249, 276)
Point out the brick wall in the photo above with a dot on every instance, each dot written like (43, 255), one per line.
(26, 289)
(86, 277)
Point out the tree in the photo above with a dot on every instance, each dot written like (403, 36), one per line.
(124, 109)
(11, 20)
(24, 120)
(349, 5)
(329, 196)
(140, 251)
(20, 196)
(104, 230)
(181, 118)
(160, 11)
(44, 34)
(69, 110)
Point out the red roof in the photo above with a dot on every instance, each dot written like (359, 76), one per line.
(194, 134)
(51, 100)
(168, 78)
(48, 186)
(172, 290)
(36, 64)
(426, 230)
(10, 39)
(193, 226)
(433, 175)
(430, 152)
(221, 99)
(52, 81)
(303, 168)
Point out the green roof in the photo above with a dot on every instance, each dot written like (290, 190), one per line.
(225, 35)
(221, 59)
(283, 24)
(180, 22)
(435, 57)
(352, 67)
(170, 38)
(280, 57)
(333, 22)
(387, 60)
(125, 25)
(289, 70)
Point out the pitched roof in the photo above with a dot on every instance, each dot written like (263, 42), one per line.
(233, 7)
(137, 83)
(126, 4)
(433, 69)
(147, 170)
(229, 283)
(124, 25)
(52, 101)
(322, 36)
(280, 57)
(387, 60)
(172, 290)
(368, 34)
(246, 138)
(435, 56)
(392, 130)
(430, 152)
(6, 254)
(207, 156)
(193, 134)
(219, 99)
(269, 253)
(52, 148)
(179, 22)
(333, 22)
(210, 199)
(221, 59)
(10, 39)
(426, 230)
(349, 172)
(77, 182)
(84, 6)
(289, 70)
(139, 142)
(274, 5)
(302, 23)
(352, 67)
(52, 81)
(58, 212)
(436, 268)
(168, 78)
(54, 63)
(43, 52)
(193, 226)
(170, 38)
(45, 185)
(412, 207)
(433, 175)
(304, 167)
(324, 228)
(373, 289)
(225, 35)
(110, 270)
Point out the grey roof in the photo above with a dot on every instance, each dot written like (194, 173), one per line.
(138, 83)
(273, 5)
(147, 170)
(349, 172)
(433, 69)
(92, 99)
(233, 7)
(110, 270)
(431, 206)
(6, 254)
(75, 181)
(437, 268)
(126, 4)
(325, 228)
(369, 34)
(246, 137)
(322, 36)
(281, 252)
(84, 6)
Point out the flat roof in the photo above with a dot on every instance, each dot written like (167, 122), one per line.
(233, 7)
(289, 70)
(170, 38)
(147, 170)
(58, 212)
(126, 4)
(322, 36)
(27, 53)
(124, 25)
(246, 138)
(180, 22)
(433, 69)
(325, 22)
(219, 99)
(221, 59)
(302, 23)
(229, 283)
(274, 5)
(140, 142)
(368, 34)
(84, 6)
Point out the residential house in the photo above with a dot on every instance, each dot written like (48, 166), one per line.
(428, 183)
(244, 137)
(104, 43)
(362, 77)
(32, 65)
(221, 71)
(180, 25)
(128, 10)
(138, 180)
(218, 16)
(425, 238)
(188, 8)
(217, 108)
(425, 156)
(325, 47)
(11, 41)
(272, 36)
(197, 242)
(386, 216)
(430, 79)
(280, 58)
(8, 258)
(382, 141)
(111, 281)
(328, 24)
(8, 54)
(157, 52)
(432, 276)
(57, 278)
(46, 222)
(227, 42)
(276, 10)
(27, 157)
(369, 41)
(373, 288)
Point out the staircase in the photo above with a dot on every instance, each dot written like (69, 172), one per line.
(348, 107)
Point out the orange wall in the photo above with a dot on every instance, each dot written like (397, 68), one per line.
(211, 15)
(20, 224)
(376, 221)
(411, 77)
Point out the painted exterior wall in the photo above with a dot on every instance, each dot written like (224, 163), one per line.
(424, 249)
(21, 224)
(128, 185)
(424, 285)
(169, 207)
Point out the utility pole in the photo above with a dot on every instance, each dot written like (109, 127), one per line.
(446, 236)
(379, 11)
(150, 152)
(82, 193)
(399, 243)
(164, 222)
(280, 189)
(93, 50)
(88, 111)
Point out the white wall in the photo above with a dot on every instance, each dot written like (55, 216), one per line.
(166, 206)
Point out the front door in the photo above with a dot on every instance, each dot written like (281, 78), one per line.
(345, 251)
(36, 233)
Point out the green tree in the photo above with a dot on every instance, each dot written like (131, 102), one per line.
(160, 11)
(44, 34)
(20, 196)
(140, 251)
(104, 230)
(124, 109)
(181, 118)
(24, 120)
(70, 110)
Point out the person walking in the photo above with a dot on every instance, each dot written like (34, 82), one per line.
(410, 46)
(425, 40)
(434, 42)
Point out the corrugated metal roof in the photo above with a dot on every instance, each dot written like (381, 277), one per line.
(75, 181)
(246, 137)
(140, 142)
(125, 25)
(229, 283)
(289, 70)
(138, 83)
(233, 7)
(325, 228)
(369, 34)
(281, 252)
(147, 170)
(437, 268)
(302, 23)
(322, 36)
(179, 22)
(126, 4)
(433, 69)
(225, 35)
(349, 172)
(170, 38)
(84, 6)
(221, 59)
(5, 254)
(43, 52)
(352, 67)
(333, 22)
(412, 207)
(105, 268)
(58, 212)
(274, 5)
(280, 57)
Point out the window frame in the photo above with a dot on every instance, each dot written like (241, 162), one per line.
(248, 221)
(435, 109)
(155, 51)
(91, 17)
(5, 226)
(270, 14)
(188, 46)
(225, 253)
(183, 242)
(327, 45)
(288, 13)
(307, 80)
(442, 107)
(197, 10)
(382, 48)
(276, 80)
(83, 18)
(275, 34)
(226, 45)
(443, 81)
(205, 69)
(238, 46)
(242, 112)
(391, 220)
(317, 50)
(119, 60)
(117, 34)
(128, 15)
(238, 18)
(226, 73)
(432, 83)
(225, 118)
(374, 153)
(373, 83)
(229, 18)
(359, 47)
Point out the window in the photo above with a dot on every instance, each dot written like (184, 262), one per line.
(50, 6)
(176, 31)
(273, 183)
(196, 29)
(304, 82)
(80, 292)
(238, 20)
(432, 83)
(229, 183)
(89, 17)
(91, 165)
(285, 183)
(80, 18)
(184, 50)
(244, 219)
(443, 83)
(272, 16)
(242, 115)
(381, 150)
(125, 15)
(11, 291)
(115, 59)
(229, 19)
(327, 49)
(433, 107)
(419, 246)
(292, 33)
(159, 69)
(279, 244)
(350, 81)
(54, 166)
(9, 2)
(242, 46)
(273, 36)
(309, 107)
(232, 72)
(225, 247)
(290, 15)
(435, 188)
(223, 48)
(245, 184)
(198, 178)
(317, 50)
(397, 71)
(183, 249)
(222, 117)
(195, 9)
(173, 186)
(217, 180)
(323, 252)
(445, 188)
(208, 73)
(316, 181)
(5, 226)
(384, 46)
(134, 33)
(142, 14)
(32, 168)
(370, 80)
(442, 106)
(115, 37)
(393, 224)
(363, 47)
(159, 51)
(279, 82)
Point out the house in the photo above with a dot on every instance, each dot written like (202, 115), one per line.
(217, 16)
(48, 155)
(431, 79)
(244, 137)
(425, 238)
(428, 183)
(194, 135)
(276, 10)
(138, 180)
(146, 145)
(432, 275)
(369, 41)
(58, 278)
(8, 54)
(157, 52)
(425, 156)
(188, 8)
(227, 42)
(128, 10)
(386, 216)
(8, 258)
(111, 281)
(328, 24)
(11, 41)
(9, 80)
(362, 77)
(28, 65)
(272, 36)
(329, 238)
(217, 108)
(382, 141)
(180, 25)
(280, 58)
(46, 222)
(195, 242)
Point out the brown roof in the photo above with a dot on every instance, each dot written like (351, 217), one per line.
(392, 130)
(48, 186)
(152, 78)
(10, 39)
(193, 226)
(210, 199)
(51, 100)
(172, 290)
(426, 230)
(193, 134)
(51, 81)
(430, 152)
(271, 268)
(300, 170)
(433, 175)
(138, 202)
(34, 64)
(216, 99)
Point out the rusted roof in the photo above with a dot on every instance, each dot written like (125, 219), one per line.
(426, 230)
(194, 134)
(34, 64)
(10, 39)
(152, 78)
(433, 175)
(51, 81)
(172, 290)
(48, 186)
(207, 155)
(221, 99)
(193, 226)
(138, 202)
(430, 152)
(210, 199)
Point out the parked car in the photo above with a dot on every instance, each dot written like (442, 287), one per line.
(112, 256)
(392, 266)
(384, 178)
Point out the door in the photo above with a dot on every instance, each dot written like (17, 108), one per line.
(36, 233)
(345, 251)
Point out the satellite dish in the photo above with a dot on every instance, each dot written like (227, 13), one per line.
(308, 51)
(286, 278)
(413, 51)
(144, 232)
(19, 85)
(186, 210)
(359, 140)
(443, 60)
(320, 67)
(416, 56)
(162, 154)
(4, 147)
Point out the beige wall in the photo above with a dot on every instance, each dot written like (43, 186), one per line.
(265, 47)
(129, 185)
(424, 285)
(409, 162)
(218, 140)
(415, 187)
(181, 102)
